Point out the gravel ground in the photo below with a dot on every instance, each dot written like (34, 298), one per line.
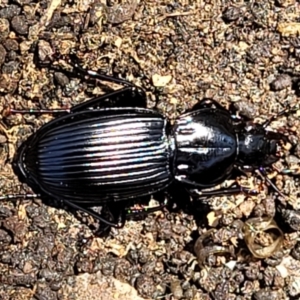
(241, 53)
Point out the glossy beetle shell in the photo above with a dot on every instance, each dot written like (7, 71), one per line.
(99, 155)
(206, 147)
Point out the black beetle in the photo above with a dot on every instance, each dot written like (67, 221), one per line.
(93, 155)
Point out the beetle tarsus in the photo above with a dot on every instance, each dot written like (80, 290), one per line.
(39, 111)
(19, 196)
(234, 189)
(263, 174)
(131, 212)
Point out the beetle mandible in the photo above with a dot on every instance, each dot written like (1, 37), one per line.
(95, 154)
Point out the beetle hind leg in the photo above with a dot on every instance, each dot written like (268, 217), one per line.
(129, 96)
(125, 97)
(75, 62)
(132, 212)
(231, 190)
(119, 224)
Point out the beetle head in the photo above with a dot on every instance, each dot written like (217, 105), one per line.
(258, 147)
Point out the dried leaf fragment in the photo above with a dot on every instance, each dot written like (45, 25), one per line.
(205, 247)
(263, 237)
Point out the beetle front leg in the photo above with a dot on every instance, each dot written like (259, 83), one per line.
(208, 103)
(232, 190)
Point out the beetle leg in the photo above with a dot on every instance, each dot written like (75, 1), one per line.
(145, 210)
(262, 172)
(125, 97)
(234, 189)
(19, 196)
(208, 103)
(129, 96)
(38, 111)
(74, 61)
(119, 224)
(286, 110)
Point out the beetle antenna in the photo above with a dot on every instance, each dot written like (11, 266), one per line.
(262, 172)
(288, 109)
(17, 196)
